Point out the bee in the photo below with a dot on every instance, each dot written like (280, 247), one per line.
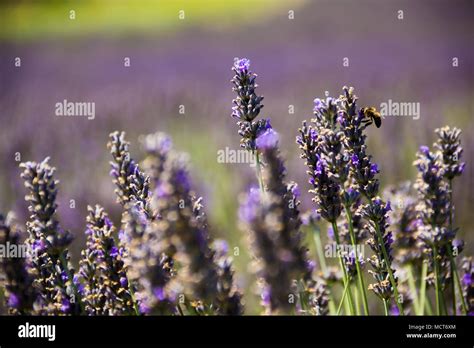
(372, 116)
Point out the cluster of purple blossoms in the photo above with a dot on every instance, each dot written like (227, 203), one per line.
(105, 285)
(353, 123)
(50, 261)
(21, 295)
(150, 268)
(247, 104)
(183, 232)
(363, 175)
(433, 210)
(326, 186)
(132, 184)
(377, 214)
(449, 145)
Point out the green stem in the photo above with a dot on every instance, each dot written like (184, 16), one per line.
(303, 297)
(360, 276)
(429, 310)
(346, 287)
(322, 261)
(319, 248)
(135, 304)
(458, 282)
(259, 172)
(437, 281)
(454, 270)
(341, 261)
(385, 307)
(412, 285)
(389, 267)
(356, 296)
(424, 272)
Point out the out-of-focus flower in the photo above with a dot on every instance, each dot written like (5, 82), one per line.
(467, 266)
(449, 145)
(404, 221)
(20, 293)
(132, 184)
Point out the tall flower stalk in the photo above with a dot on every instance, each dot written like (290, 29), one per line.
(362, 174)
(50, 261)
(106, 287)
(247, 106)
(321, 143)
(434, 183)
(449, 145)
(433, 210)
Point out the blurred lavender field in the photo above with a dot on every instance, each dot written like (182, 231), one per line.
(188, 64)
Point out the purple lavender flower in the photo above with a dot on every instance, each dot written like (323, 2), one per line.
(242, 65)
(404, 220)
(148, 266)
(376, 213)
(103, 271)
(20, 293)
(274, 267)
(433, 208)
(273, 220)
(157, 147)
(247, 105)
(52, 263)
(132, 185)
(183, 232)
(267, 140)
(449, 145)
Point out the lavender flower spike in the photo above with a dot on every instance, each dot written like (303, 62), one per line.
(183, 225)
(150, 270)
(106, 286)
(247, 104)
(53, 272)
(449, 145)
(157, 146)
(132, 184)
(260, 216)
